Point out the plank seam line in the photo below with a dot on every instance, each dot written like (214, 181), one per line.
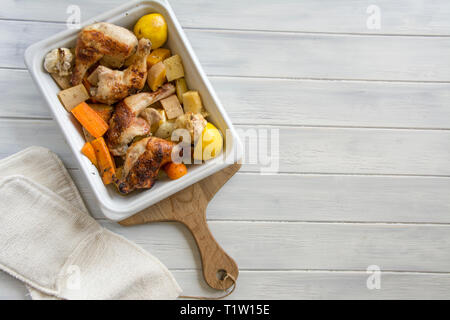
(308, 222)
(246, 172)
(263, 125)
(293, 125)
(253, 173)
(242, 30)
(14, 118)
(322, 271)
(316, 79)
(331, 33)
(31, 20)
(305, 173)
(13, 68)
(339, 127)
(325, 79)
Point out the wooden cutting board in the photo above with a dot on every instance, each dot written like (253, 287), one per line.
(188, 206)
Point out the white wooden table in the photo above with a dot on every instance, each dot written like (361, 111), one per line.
(364, 119)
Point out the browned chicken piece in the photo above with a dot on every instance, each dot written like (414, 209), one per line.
(99, 40)
(143, 161)
(126, 124)
(111, 86)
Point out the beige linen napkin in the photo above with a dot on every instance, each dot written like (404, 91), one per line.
(50, 242)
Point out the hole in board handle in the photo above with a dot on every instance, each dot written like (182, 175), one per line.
(221, 274)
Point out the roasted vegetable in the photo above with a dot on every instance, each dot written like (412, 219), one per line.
(88, 151)
(181, 87)
(90, 120)
(73, 96)
(156, 56)
(172, 107)
(105, 161)
(192, 102)
(59, 61)
(175, 170)
(62, 81)
(104, 111)
(174, 68)
(156, 76)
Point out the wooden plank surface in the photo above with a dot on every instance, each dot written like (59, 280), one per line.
(322, 56)
(310, 246)
(349, 16)
(288, 102)
(326, 285)
(363, 124)
(345, 198)
(303, 150)
(297, 285)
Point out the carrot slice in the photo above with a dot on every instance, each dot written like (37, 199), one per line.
(90, 119)
(88, 151)
(175, 170)
(105, 161)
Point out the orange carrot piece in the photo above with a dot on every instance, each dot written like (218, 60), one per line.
(105, 161)
(88, 151)
(90, 119)
(175, 170)
(103, 110)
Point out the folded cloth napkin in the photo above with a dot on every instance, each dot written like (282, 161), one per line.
(50, 242)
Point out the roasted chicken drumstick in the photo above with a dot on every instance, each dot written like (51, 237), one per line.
(101, 40)
(143, 161)
(114, 85)
(126, 124)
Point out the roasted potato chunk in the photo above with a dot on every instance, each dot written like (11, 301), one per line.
(174, 68)
(192, 102)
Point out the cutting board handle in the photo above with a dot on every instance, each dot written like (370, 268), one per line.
(188, 206)
(216, 262)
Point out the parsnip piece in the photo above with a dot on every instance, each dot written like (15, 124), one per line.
(73, 96)
(181, 87)
(192, 102)
(87, 136)
(174, 68)
(172, 107)
(93, 77)
(156, 76)
(62, 81)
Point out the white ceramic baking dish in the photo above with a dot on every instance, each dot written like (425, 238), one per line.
(113, 205)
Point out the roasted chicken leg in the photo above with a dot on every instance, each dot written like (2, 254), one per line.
(143, 161)
(126, 124)
(99, 40)
(114, 85)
